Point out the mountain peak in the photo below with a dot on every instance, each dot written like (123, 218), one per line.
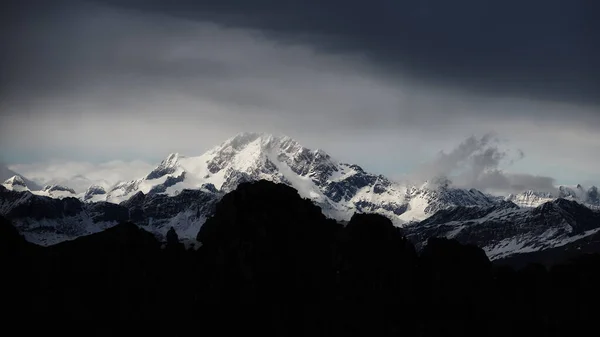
(57, 188)
(172, 158)
(92, 191)
(251, 151)
(241, 140)
(167, 166)
(537, 193)
(16, 183)
(15, 180)
(530, 198)
(266, 141)
(6, 174)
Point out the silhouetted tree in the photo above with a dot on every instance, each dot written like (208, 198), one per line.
(173, 240)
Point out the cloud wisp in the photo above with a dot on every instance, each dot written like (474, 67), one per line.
(480, 162)
(81, 175)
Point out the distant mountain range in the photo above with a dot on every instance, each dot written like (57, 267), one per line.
(506, 229)
(531, 198)
(181, 192)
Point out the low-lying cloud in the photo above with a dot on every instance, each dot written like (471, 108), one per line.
(481, 163)
(81, 175)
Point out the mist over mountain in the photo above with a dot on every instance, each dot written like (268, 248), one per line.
(484, 163)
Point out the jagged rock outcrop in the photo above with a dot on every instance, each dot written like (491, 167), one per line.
(94, 192)
(588, 197)
(46, 221)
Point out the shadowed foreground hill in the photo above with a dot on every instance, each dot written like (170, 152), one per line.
(271, 264)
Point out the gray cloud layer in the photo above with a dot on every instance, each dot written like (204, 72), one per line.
(534, 48)
(95, 83)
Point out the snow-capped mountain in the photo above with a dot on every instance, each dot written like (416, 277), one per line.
(19, 184)
(15, 183)
(167, 193)
(7, 174)
(182, 191)
(506, 229)
(46, 221)
(94, 193)
(588, 197)
(57, 191)
(339, 188)
(530, 198)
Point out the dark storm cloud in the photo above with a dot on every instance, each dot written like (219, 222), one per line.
(331, 74)
(530, 48)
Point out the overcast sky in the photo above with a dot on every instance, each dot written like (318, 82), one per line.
(507, 90)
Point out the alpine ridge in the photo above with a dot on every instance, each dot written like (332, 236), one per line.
(340, 189)
(506, 229)
(530, 198)
(163, 197)
(182, 191)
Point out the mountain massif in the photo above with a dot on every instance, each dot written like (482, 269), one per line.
(181, 192)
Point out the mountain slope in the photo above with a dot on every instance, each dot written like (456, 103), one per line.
(505, 229)
(15, 183)
(46, 221)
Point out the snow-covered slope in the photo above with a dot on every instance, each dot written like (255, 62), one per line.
(94, 193)
(530, 198)
(15, 183)
(56, 191)
(506, 229)
(44, 220)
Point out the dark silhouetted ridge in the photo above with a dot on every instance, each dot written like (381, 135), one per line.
(271, 264)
